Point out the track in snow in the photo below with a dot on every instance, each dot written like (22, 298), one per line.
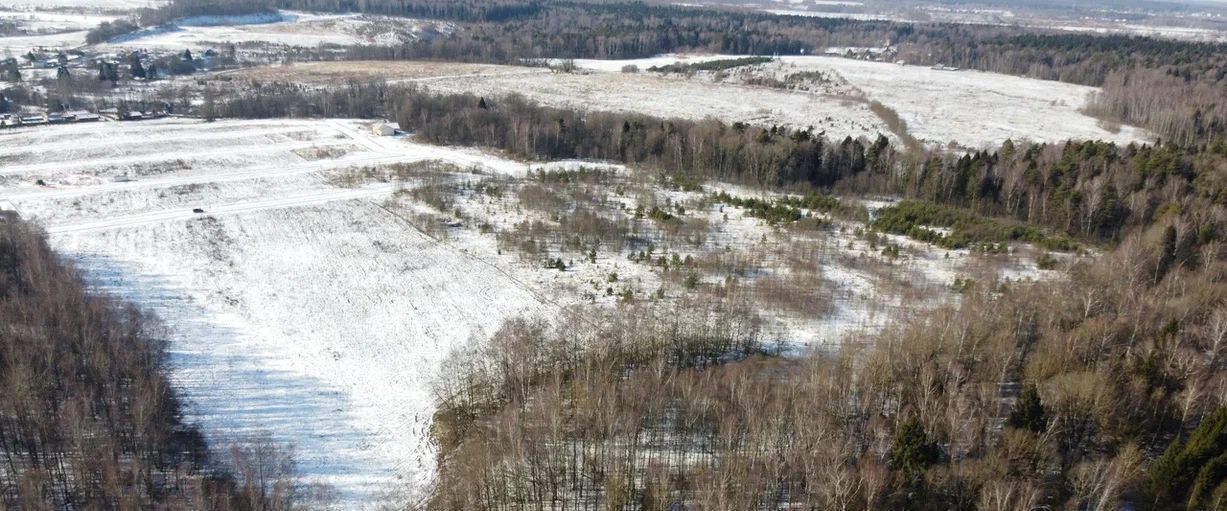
(306, 199)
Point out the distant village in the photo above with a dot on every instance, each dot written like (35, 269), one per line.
(887, 53)
(78, 72)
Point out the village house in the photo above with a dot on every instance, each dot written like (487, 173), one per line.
(383, 129)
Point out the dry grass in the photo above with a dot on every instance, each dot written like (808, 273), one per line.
(323, 153)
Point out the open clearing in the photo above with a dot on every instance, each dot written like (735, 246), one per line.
(289, 28)
(111, 5)
(315, 296)
(641, 93)
(969, 109)
(289, 287)
(973, 109)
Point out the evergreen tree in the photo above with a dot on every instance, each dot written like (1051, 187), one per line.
(10, 70)
(135, 68)
(913, 451)
(1028, 412)
(1189, 473)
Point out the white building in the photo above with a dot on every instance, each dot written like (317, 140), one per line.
(383, 129)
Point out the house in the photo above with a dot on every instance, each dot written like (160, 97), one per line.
(81, 116)
(8, 213)
(383, 129)
(33, 120)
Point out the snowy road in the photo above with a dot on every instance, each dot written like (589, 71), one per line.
(156, 157)
(306, 199)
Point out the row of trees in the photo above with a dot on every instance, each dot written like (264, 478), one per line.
(769, 156)
(1092, 190)
(1184, 104)
(88, 418)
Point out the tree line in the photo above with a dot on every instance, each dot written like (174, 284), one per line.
(507, 31)
(1185, 104)
(88, 417)
(738, 152)
(1095, 191)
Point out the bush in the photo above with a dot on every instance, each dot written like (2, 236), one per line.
(921, 220)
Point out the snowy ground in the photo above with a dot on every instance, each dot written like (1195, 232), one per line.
(290, 28)
(314, 301)
(969, 108)
(618, 92)
(45, 22)
(20, 45)
(49, 27)
(113, 5)
(973, 108)
(294, 306)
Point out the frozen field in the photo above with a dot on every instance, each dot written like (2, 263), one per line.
(620, 92)
(20, 45)
(283, 28)
(111, 5)
(293, 306)
(970, 108)
(52, 27)
(973, 108)
(967, 108)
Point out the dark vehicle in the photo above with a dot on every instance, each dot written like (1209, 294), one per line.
(197, 210)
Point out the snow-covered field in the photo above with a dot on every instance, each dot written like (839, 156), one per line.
(113, 5)
(50, 27)
(970, 108)
(53, 21)
(293, 306)
(675, 98)
(19, 45)
(288, 28)
(617, 92)
(974, 108)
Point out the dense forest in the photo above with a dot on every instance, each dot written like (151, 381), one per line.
(88, 418)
